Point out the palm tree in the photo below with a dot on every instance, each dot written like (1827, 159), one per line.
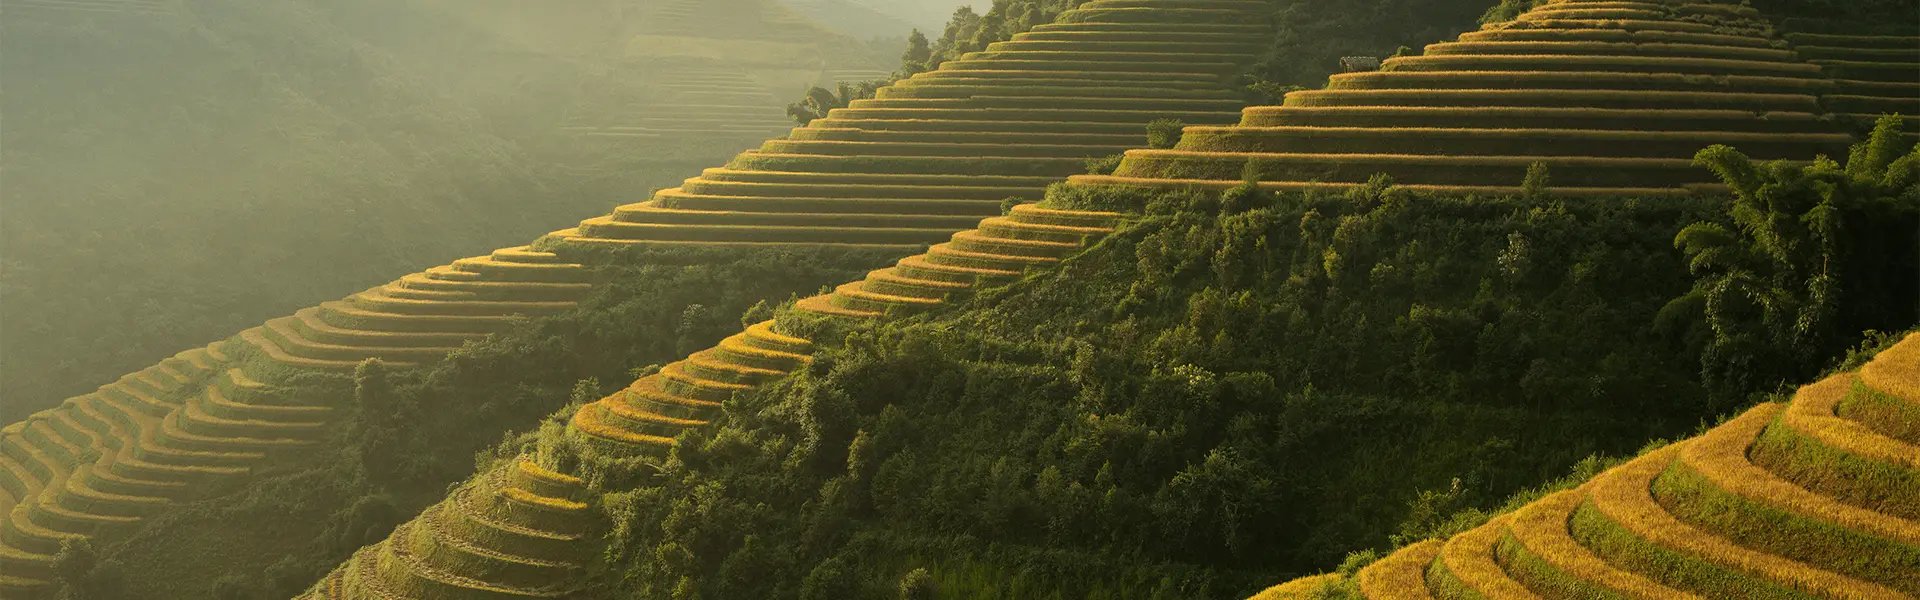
(1770, 282)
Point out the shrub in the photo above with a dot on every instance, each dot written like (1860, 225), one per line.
(1164, 133)
(1507, 10)
(819, 101)
(1535, 184)
(832, 579)
(917, 585)
(1104, 165)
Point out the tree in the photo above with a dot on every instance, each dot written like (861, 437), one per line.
(1809, 257)
(72, 567)
(953, 42)
(992, 28)
(371, 390)
(820, 100)
(1534, 187)
(832, 579)
(80, 574)
(918, 53)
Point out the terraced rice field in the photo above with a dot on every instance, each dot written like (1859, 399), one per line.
(99, 463)
(1818, 497)
(852, 75)
(1614, 97)
(716, 76)
(421, 317)
(932, 154)
(730, 19)
(691, 102)
(1873, 74)
(518, 532)
(130, 7)
(102, 462)
(649, 414)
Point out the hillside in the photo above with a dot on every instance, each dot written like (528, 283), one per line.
(209, 164)
(1810, 496)
(1611, 100)
(833, 426)
(183, 428)
(171, 241)
(709, 77)
(934, 153)
(858, 19)
(1212, 369)
(1158, 459)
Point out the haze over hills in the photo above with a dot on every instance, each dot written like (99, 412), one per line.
(159, 148)
(926, 15)
(854, 18)
(1101, 301)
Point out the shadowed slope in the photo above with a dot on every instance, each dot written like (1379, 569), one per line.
(102, 462)
(99, 463)
(1872, 74)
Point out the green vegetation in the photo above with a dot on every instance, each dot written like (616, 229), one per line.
(1313, 36)
(1222, 360)
(1126, 398)
(381, 467)
(969, 31)
(1699, 515)
(1790, 281)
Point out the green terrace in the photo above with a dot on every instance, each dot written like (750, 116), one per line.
(1789, 500)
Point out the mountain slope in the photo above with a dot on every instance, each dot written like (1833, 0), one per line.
(1812, 496)
(1609, 98)
(102, 184)
(174, 175)
(300, 358)
(933, 153)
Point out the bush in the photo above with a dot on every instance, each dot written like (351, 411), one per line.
(1164, 133)
(917, 585)
(1535, 184)
(832, 579)
(1104, 165)
(1507, 10)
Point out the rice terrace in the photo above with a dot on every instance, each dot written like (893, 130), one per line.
(959, 299)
